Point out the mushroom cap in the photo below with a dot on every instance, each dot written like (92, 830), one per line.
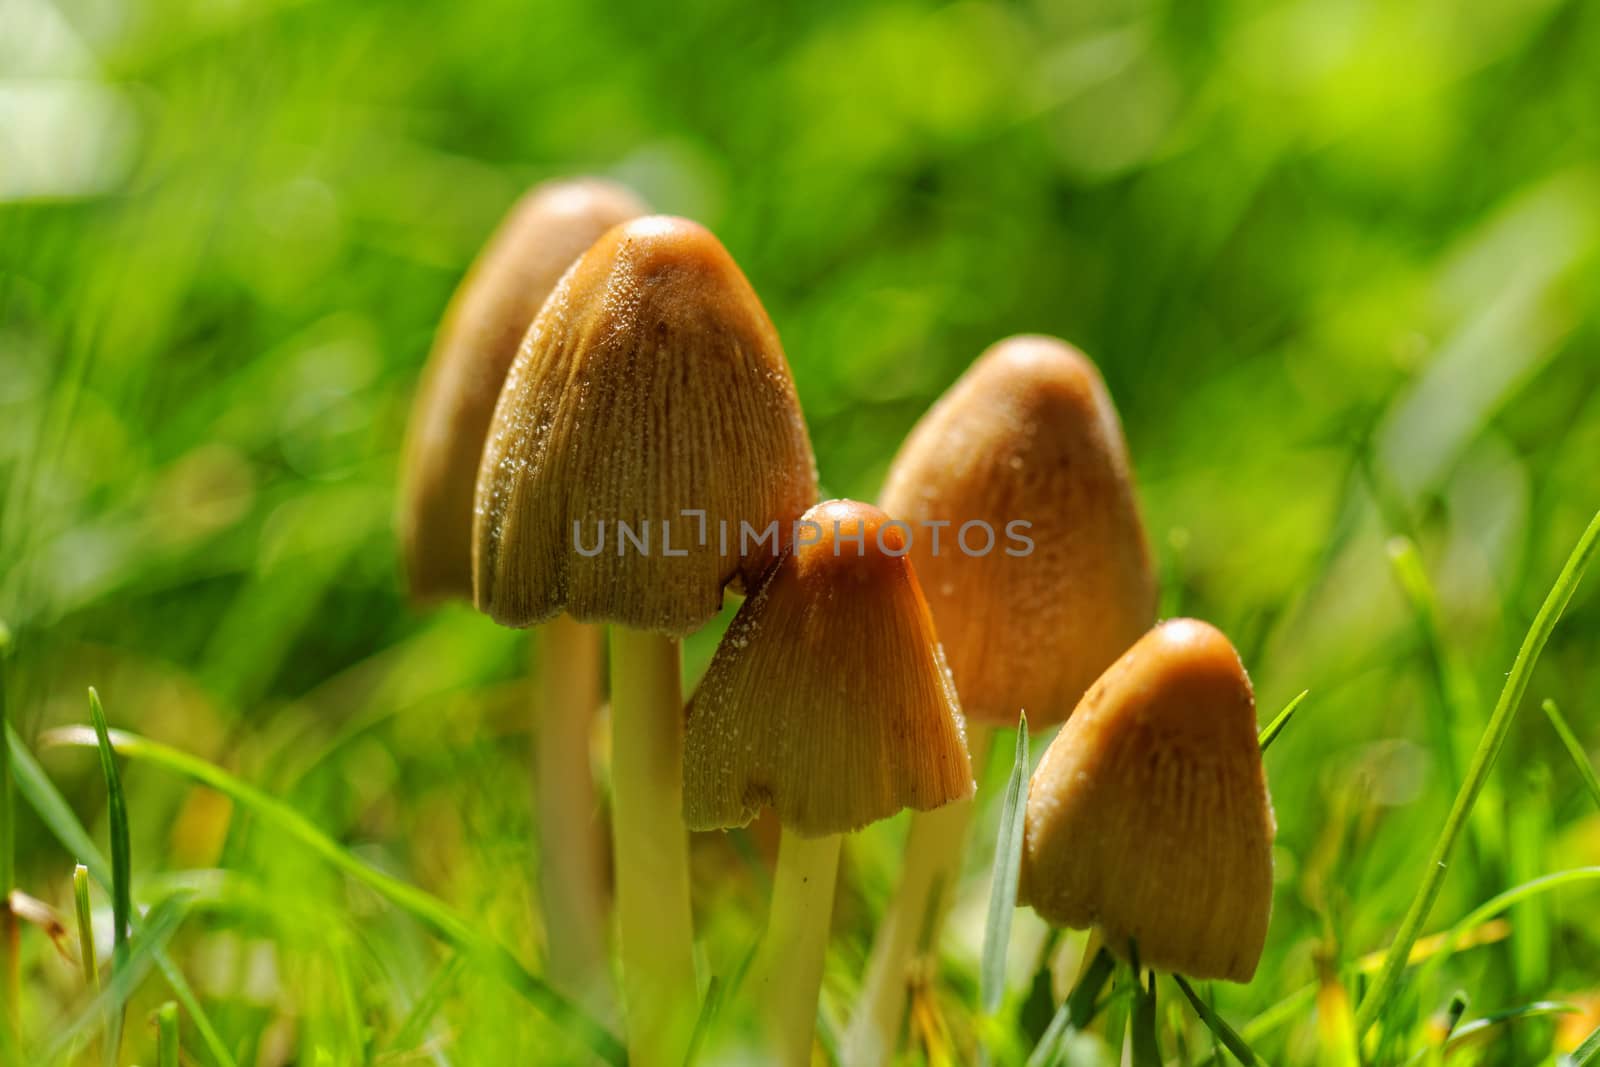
(828, 697)
(651, 384)
(1149, 816)
(547, 229)
(1028, 434)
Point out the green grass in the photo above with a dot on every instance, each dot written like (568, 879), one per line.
(438, 917)
(167, 1035)
(1588, 1052)
(121, 880)
(1007, 875)
(1337, 261)
(84, 913)
(1225, 1034)
(1574, 747)
(1483, 760)
(1270, 732)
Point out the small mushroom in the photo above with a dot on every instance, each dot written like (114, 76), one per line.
(1148, 817)
(1024, 455)
(1028, 446)
(648, 437)
(547, 230)
(828, 699)
(647, 449)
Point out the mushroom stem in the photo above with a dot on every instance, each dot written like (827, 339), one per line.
(911, 924)
(651, 847)
(572, 875)
(787, 971)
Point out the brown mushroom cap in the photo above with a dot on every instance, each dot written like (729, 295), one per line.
(828, 698)
(1027, 434)
(1149, 816)
(545, 232)
(651, 383)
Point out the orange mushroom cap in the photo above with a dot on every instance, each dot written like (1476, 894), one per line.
(828, 698)
(651, 392)
(1148, 815)
(1027, 435)
(545, 232)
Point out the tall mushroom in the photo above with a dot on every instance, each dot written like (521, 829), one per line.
(648, 448)
(1148, 817)
(1028, 541)
(829, 700)
(547, 230)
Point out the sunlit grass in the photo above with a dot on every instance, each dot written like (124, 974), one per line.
(438, 917)
(1494, 737)
(1336, 263)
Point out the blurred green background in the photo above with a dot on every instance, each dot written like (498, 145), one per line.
(1337, 259)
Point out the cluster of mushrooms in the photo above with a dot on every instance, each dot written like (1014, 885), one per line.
(865, 670)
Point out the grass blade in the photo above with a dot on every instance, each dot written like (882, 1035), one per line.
(1275, 727)
(709, 1006)
(1479, 1027)
(1046, 1051)
(414, 1030)
(1007, 870)
(1496, 905)
(34, 786)
(1142, 1025)
(1449, 677)
(1483, 760)
(1223, 1032)
(1084, 999)
(167, 1035)
(1586, 1054)
(1434, 1052)
(80, 898)
(85, 913)
(1455, 701)
(192, 1007)
(1080, 1007)
(434, 914)
(162, 922)
(1580, 758)
(1432, 956)
(1454, 1011)
(121, 869)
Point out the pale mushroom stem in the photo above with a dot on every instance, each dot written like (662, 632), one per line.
(786, 975)
(911, 924)
(572, 875)
(651, 847)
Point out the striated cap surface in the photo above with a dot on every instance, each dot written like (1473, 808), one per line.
(651, 384)
(1029, 436)
(545, 232)
(828, 698)
(1149, 816)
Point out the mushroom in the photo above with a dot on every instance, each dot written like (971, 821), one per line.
(1024, 457)
(828, 699)
(1148, 817)
(545, 232)
(647, 450)
(1028, 443)
(550, 227)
